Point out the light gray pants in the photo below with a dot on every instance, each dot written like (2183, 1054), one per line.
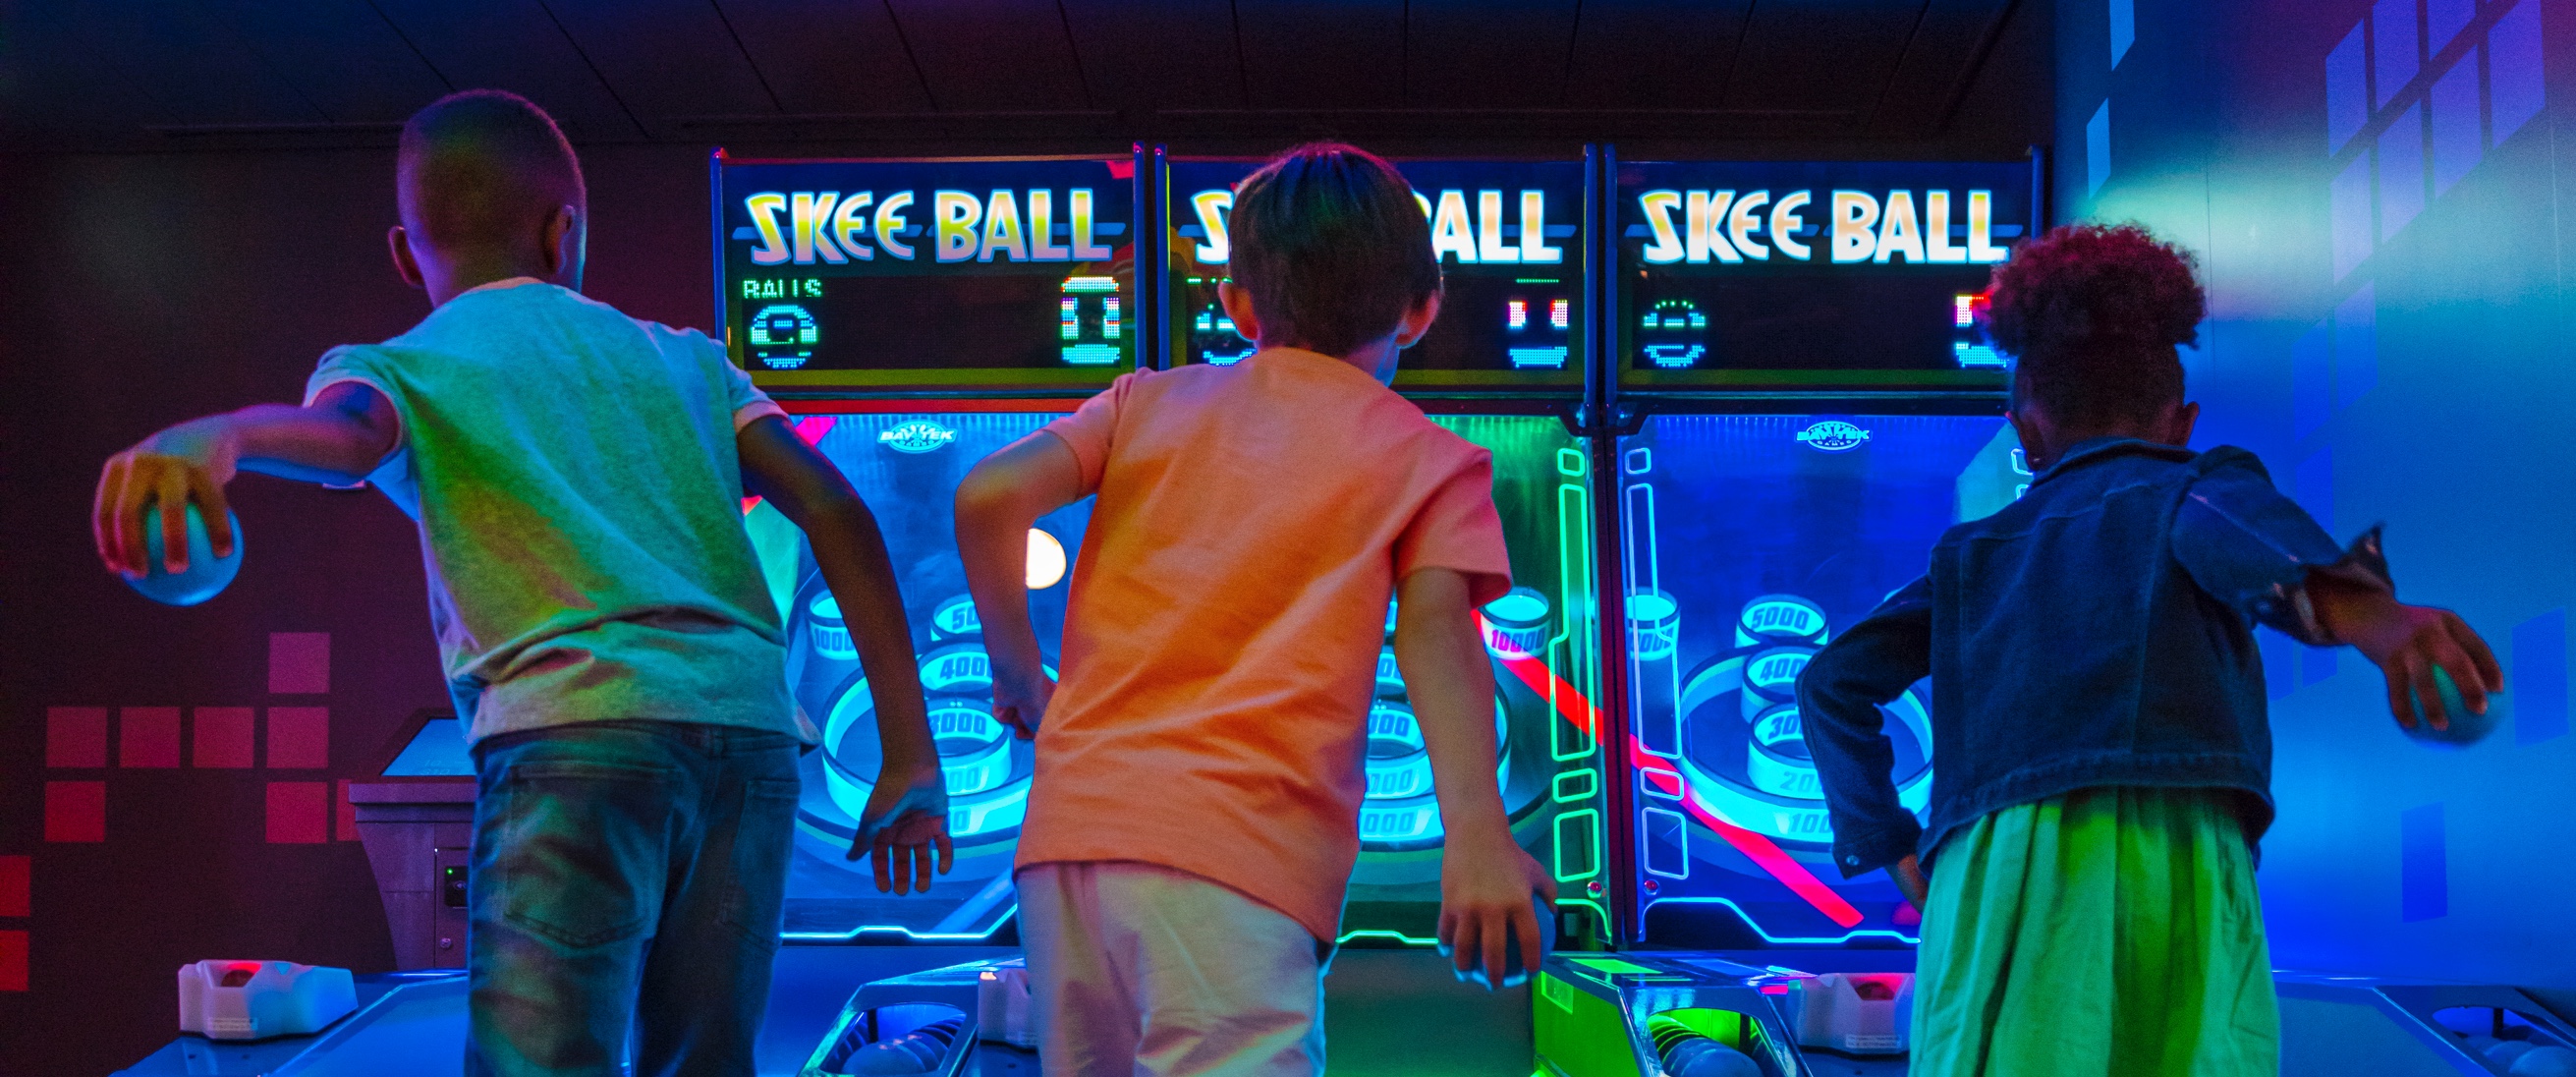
(1144, 971)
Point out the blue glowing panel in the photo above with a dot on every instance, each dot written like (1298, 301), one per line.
(1542, 640)
(2311, 380)
(2456, 138)
(907, 468)
(2097, 150)
(2349, 210)
(2401, 172)
(1749, 541)
(2444, 19)
(2516, 88)
(2356, 344)
(2393, 46)
(988, 273)
(437, 751)
(2539, 678)
(2424, 869)
(2347, 90)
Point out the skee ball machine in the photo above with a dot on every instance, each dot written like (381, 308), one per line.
(915, 315)
(1802, 407)
(1504, 367)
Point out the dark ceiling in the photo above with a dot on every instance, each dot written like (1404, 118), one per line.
(148, 74)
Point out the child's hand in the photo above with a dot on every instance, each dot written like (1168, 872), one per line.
(1020, 698)
(1908, 876)
(905, 822)
(191, 461)
(1486, 880)
(2407, 642)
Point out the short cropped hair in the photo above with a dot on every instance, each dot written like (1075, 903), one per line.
(1332, 246)
(483, 168)
(2091, 315)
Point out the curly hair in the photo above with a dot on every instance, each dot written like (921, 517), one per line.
(2091, 315)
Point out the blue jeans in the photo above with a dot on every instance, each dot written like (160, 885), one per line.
(626, 869)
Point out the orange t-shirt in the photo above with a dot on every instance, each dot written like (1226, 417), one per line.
(1227, 610)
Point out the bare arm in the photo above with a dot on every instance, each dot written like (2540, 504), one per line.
(2408, 643)
(340, 437)
(996, 505)
(911, 822)
(1485, 878)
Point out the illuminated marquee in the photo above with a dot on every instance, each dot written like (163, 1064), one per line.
(832, 228)
(1486, 236)
(1725, 226)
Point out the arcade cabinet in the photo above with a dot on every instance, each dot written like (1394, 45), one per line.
(1801, 408)
(416, 820)
(1506, 368)
(914, 316)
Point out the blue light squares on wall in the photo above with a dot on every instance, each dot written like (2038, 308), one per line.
(2347, 90)
(2423, 865)
(2443, 20)
(2356, 344)
(2097, 149)
(2349, 207)
(2392, 47)
(2312, 486)
(2124, 28)
(2311, 380)
(2401, 172)
(2317, 664)
(2280, 662)
(2516, 89)
(2457, 140)
(2538, 678)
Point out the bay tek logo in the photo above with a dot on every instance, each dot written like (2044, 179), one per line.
(1833, 435)
(921, 435)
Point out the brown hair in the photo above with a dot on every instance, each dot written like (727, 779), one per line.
(1332, 247)
(484, 168)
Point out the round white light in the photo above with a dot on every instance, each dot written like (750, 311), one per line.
(1046, 560)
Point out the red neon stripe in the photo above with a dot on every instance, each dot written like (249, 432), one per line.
(1574, 708)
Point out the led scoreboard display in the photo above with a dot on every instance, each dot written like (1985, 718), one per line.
(838, 275)
(1821, 274)
(1511, 243)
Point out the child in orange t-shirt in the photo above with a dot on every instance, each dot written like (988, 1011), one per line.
(1195, 813)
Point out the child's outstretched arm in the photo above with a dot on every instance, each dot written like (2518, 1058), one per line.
(904, 830)
(340, 437)
(1839, 694)
(1486, 879)
(997, 503)
(2407, 643)
(2259, 552)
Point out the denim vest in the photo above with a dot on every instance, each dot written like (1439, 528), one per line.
(2097, 632)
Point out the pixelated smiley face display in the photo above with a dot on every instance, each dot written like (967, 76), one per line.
(1215, 340)
(1673, 334)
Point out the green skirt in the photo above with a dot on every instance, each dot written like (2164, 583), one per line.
(2103, 933)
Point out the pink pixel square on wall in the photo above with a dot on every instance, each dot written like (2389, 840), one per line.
(299, 737)
(299, 663)
(75, 736)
